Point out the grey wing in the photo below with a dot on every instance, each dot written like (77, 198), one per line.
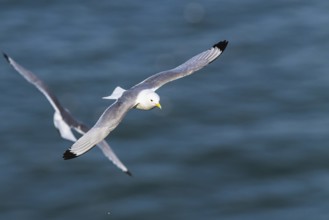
(194, 64)
(104, 147)
(33, 79)
(62, 119)
(109, 120)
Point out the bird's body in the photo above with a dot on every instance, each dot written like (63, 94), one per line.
(141, 96)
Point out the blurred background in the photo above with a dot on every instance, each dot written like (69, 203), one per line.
(244, 138)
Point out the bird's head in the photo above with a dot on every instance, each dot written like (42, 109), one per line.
(147, 99)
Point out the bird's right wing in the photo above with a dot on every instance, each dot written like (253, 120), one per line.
(190, 66)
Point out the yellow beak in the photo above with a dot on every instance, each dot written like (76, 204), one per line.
(158, 105)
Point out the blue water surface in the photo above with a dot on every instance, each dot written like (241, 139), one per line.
(245, 138)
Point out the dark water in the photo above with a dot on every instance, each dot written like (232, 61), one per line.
(245, 138)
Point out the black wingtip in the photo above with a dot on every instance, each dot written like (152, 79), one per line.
(69, 155)
(128, 173)
(6, 56)
(221, 45)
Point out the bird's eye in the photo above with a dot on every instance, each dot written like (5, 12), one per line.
(151, 100)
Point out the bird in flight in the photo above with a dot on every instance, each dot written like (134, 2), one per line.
(63, 120)
(140, 96)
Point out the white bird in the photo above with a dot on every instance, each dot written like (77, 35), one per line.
(141, 96)
(63, 120)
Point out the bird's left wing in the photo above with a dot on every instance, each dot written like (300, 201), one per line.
(39, 84)
(194, 64)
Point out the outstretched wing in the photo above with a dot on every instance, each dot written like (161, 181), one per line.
(34, 80)
(194, 64)
(109, 120)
